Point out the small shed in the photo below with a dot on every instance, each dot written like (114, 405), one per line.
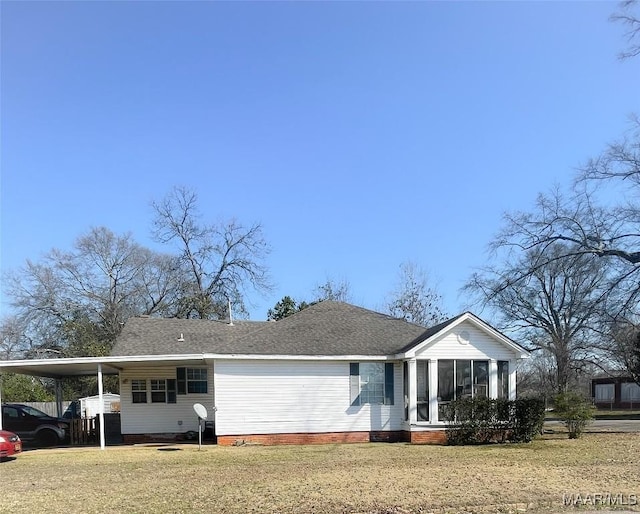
(90, 405)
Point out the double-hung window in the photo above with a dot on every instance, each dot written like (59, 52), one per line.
(192, 380)
(138, 391)
(163, 390)
(371, 383)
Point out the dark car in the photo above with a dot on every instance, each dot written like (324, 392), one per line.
(34, 425)
(73, 411)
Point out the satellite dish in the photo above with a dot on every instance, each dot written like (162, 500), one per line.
(201, 410)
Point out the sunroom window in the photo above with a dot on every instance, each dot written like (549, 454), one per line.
(423, 390)
(405, 387)
(461, 379)
(503, 380)
(480, 379)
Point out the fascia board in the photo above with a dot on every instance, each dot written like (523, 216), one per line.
(212, 356)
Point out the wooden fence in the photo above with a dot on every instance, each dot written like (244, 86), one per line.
(83, 430)
(48, 407)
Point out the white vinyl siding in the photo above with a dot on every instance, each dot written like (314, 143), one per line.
(159, 418)
(480, 346)
(270, 397)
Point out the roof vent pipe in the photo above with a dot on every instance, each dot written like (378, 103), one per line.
(181, 338)
(230, 315)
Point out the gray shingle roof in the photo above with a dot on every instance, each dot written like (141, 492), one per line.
(426, 334)
(326, 328)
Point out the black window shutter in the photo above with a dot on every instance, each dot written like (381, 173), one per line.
(171, 390)
(388, 383)
(181, 375)
(354, 383)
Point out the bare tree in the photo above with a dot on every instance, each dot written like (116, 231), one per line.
(331, 289)
(92, 289)
(586, 225)
(537, 376)
(553, 306)
(631, 22)
(414, 299)
(219, 263)
(13, 341)
(625, 350)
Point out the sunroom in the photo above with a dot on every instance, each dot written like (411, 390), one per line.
(466, 359)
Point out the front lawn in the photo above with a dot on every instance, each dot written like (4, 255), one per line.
(362, 478)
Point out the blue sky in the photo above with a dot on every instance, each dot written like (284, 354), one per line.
(360, 134)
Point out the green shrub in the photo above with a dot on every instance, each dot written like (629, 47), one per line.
(482, 421)
(528, 419)
(575, 411)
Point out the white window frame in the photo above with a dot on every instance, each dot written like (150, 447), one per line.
(187, 378)
(358, 385)
(504, 379)
(138, 388)
(423, 398)
(469, 390)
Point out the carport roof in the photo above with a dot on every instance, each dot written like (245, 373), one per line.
(84, 366)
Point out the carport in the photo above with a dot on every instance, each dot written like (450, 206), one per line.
(61, 368)
(88, 366)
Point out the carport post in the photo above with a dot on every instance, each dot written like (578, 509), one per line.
(101, 409)
(58, 391)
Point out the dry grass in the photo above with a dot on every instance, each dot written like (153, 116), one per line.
(322, 479)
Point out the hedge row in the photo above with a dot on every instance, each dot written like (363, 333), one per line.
(481, 420)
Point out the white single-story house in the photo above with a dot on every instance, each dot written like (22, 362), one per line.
(333, 372)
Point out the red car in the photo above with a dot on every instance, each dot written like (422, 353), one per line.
(10, 444)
